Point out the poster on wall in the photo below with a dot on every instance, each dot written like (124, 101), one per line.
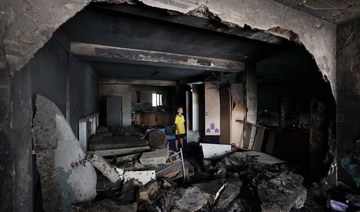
(212, 108)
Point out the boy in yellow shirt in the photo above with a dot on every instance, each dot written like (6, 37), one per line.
(180, 128)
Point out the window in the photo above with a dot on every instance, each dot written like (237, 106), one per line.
(156, 99)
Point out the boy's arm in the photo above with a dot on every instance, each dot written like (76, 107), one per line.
(177, 128)
(177, 125)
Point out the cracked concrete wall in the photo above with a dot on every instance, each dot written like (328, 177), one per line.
(7, 162)
(348, 88)
(30, 24)
(21, 137)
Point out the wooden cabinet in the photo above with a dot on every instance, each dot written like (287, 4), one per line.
(155, 119)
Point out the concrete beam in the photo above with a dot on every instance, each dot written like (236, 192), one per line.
(138, 82)
(95, 52)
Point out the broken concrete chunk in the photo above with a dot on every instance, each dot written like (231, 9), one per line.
(282, 193)
(215, 150)
(168, 200)
(208, 167)
(129, 192)
(105, 168)
(209, 189)
(234, 161)
(142, 176)
(166, 184)
(157, 139)
(66, 177)
(231, 191)
(156, 157)
(138, 166)
(192, 200)
(128, 158)
(149, 192)
(236, 206)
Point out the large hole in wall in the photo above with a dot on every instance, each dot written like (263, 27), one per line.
(296, 102)
(122, 54)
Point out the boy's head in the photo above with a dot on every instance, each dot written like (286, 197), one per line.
(180, 110)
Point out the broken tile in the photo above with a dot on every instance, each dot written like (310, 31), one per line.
(142, 176)
(155, 157)
(105, 168)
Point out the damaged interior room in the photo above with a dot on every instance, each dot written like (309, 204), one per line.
(149, 105)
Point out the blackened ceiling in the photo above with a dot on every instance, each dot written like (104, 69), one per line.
(142, 28)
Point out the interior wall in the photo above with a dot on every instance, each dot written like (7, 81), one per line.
(21, 133)
(147, 91)
(119, 90)
(48, 71)
(83, 95)
(69, 83)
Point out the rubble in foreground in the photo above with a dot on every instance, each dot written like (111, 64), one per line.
(235, 182)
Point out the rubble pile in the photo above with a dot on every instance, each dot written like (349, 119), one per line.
(130, 173)
(160, 180)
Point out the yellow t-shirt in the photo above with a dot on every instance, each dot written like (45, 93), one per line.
(180, 122)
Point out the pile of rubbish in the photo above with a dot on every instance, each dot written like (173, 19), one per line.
(201, 177)
(163, 180)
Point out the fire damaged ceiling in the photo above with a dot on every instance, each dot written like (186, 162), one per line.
(133, 42)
